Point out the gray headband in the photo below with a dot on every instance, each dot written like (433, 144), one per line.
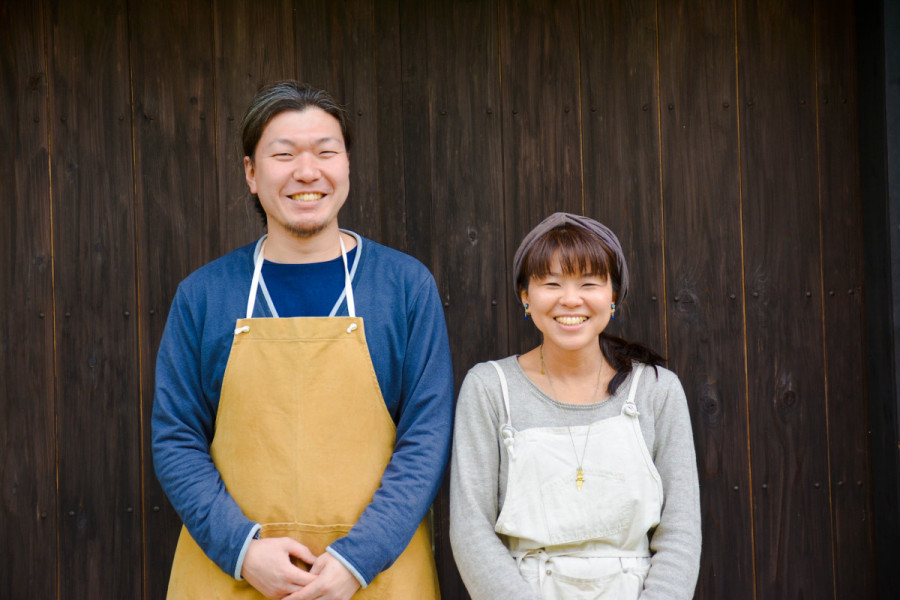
(560, 219)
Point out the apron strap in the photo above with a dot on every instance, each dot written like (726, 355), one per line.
(257, 273)
(630, 408)
(348, 287)
(504, 389)
(507, 433)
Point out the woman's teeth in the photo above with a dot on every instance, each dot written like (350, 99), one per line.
(571, 320)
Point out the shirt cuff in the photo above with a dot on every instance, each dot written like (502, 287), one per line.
(254, 534)
(348, 566)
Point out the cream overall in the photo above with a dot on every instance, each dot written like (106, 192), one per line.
(586, 544)
(302, 438)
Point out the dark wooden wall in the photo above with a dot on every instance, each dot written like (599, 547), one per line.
(719, 139)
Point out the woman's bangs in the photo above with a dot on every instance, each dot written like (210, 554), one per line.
(579, 252)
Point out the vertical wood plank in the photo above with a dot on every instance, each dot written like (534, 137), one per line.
(539, 50)
(253, 47)
(338, 55)
(176, 208)
(388, 116)
(467, 194)
(466, 148)
(842, 273)
(416, 129)
(788, 431)
(28, 506)
(621, 151)
(701, 193)
(98, 402)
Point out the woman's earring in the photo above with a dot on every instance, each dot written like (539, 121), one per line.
(526, 311)
(612, 316)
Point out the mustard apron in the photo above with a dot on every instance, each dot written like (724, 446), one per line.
(302, 439)
(587, 540)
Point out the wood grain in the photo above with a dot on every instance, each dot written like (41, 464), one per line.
(788, 428)
(29, 520)
(176, 214)
(98, 394)
(466, 196)
(842, 293)
(702, 206)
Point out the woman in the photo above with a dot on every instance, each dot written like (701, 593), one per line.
(573, 469)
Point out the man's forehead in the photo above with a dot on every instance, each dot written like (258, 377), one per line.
(309, 126)
(293, 141)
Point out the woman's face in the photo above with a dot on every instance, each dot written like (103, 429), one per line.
(570, 310)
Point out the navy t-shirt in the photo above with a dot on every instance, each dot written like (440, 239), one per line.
(306, 290)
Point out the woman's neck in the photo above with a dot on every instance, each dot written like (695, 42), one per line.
(569, 376)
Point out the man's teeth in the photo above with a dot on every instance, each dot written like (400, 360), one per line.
(571, 320)
(310, 197)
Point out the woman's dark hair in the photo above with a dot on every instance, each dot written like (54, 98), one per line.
(580, 251)
(283, 96)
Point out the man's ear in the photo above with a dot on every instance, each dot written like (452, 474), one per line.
(250, 174)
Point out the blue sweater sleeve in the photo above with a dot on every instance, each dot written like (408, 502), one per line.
(424, 431)
(184, 412)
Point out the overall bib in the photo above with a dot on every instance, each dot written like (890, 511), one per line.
(302, 438)
(589, 543)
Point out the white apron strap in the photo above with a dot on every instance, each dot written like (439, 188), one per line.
(257, 272)
(348, 287)
(630, 408)
(507, 433)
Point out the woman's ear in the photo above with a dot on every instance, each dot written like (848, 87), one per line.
(523, 296)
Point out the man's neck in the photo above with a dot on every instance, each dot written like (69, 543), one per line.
(282, 247)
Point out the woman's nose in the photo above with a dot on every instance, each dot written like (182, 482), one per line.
(571, 296)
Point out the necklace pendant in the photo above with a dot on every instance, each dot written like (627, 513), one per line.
(579, 478)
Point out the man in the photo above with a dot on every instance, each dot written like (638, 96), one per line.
(304, 393)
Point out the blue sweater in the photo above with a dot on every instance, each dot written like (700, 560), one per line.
(407, 337)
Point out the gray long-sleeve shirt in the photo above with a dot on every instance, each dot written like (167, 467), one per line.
(479, 473)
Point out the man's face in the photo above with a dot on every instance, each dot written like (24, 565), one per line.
(301, 172)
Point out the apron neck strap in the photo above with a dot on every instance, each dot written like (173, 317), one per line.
(630, 408)
(259, 258)
(348, 287)
(257, 271)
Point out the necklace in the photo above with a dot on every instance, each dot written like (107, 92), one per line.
(579, 474)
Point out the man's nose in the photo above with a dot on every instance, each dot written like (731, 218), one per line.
(306, 168)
